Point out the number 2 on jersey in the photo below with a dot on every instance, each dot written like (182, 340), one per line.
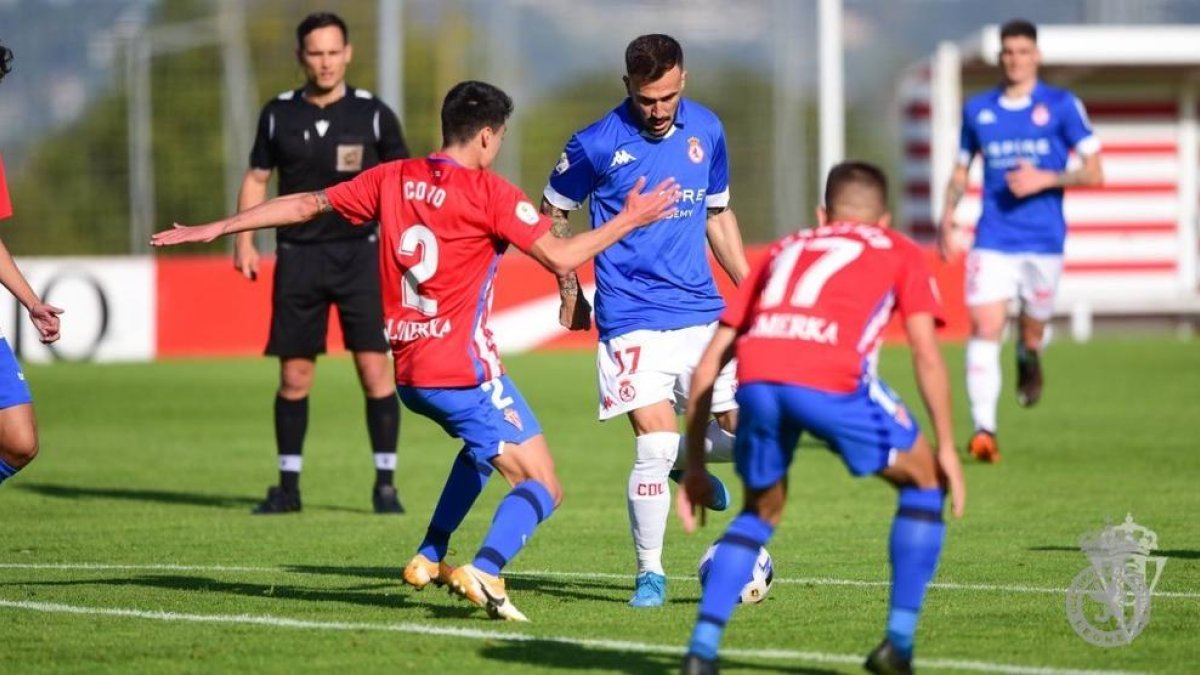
(419, 235)
(835, 253)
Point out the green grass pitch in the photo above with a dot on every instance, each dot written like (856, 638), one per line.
(128, 546)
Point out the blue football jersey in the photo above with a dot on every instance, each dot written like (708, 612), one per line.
(656, 277)
(1043, 130)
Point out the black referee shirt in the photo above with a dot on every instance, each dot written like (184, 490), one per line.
(314, 148)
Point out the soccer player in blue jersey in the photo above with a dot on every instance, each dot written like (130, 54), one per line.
(1025, 130)
(656, 301)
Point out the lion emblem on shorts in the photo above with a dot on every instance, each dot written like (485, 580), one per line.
(627, 391)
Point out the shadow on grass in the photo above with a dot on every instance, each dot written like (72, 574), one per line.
(366, 596)
(575, 658)
(1177, 553)
(571, 588)
(157, 496)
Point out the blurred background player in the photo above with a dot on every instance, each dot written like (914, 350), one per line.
(1025, 131)
(317, 136)
(446, 220)
(806, 329)
(18, 425)
(656, 301)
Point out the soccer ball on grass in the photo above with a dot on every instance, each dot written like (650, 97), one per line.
(757, 586)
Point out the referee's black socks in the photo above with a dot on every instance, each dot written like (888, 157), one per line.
(383, 426)
(291, 423)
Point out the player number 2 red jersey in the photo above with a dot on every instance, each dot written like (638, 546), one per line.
(443, 229)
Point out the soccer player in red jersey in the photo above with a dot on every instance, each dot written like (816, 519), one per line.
(18, 426)
(805, 329)
(445, 221)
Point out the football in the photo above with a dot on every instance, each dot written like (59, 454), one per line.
(757, 585)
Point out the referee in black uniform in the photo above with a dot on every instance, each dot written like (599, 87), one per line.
(317, 136)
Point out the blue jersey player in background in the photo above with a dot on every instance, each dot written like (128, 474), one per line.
(656, 301)
(1025, 130)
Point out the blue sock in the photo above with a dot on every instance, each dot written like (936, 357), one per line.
(519, 514)
(732, 566)
(7, 471)
(916, 544)
(463, 486)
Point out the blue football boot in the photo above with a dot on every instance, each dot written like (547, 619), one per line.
(650, 590)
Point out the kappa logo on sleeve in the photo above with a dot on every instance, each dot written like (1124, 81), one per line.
(621, 157)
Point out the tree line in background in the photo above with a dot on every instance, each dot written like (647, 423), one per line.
(73, 193)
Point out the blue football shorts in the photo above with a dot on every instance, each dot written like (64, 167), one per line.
(13, 388)
(864, 427)
(484, 417)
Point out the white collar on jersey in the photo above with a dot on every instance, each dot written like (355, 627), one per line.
(670, 132)
(1018, 103)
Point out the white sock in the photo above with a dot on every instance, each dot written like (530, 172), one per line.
(649, 498)
(983, 382)
(718, 446)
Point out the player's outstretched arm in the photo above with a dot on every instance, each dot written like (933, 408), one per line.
(725, 239)
(43, 316)
(278, 212)
(575, 313)
(695, 488)
(949, 245)
(562, 256)
(934, 385)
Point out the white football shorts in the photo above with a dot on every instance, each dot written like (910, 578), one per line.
(644, 367)
(993, 276)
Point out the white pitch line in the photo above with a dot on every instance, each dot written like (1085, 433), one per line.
(478, 634)
(810, 581)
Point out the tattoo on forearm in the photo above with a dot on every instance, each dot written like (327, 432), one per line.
(954, 193)
(323, 205)
(568, 284)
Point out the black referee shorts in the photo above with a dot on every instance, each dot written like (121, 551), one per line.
(311, 277)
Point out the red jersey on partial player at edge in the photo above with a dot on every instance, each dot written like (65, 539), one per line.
(6, 209)
(813, 312)
(443, 229)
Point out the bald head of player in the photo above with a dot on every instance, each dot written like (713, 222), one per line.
(474, 115)
(855, 192)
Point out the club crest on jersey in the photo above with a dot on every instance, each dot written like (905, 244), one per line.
(349, 157)
(985, 116)
(514, 418)
(695, 150)
(526, 213)
(1040, 115)
(562, 166)
(626, 391)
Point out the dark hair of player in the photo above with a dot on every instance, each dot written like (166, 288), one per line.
(649, 56)
(856, 187)
(1018, 28)
(471, 106)
(6, 57)
(320, 20)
